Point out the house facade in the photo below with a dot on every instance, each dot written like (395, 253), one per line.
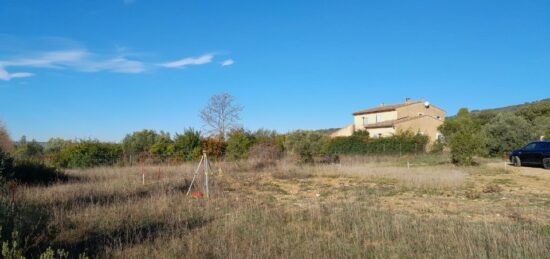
(387, 120)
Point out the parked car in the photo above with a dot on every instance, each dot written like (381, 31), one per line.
(535, 153)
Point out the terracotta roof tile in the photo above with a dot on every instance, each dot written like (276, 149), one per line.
(384, 108)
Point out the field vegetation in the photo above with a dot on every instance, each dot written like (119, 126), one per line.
(362, 207)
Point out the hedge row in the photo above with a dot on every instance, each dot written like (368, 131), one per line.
(361, 144)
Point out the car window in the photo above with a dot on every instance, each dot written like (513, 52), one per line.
(530, 146)
(543, 145)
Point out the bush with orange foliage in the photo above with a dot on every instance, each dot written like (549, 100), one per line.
(5, 141)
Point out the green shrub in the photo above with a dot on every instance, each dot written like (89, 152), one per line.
(90, 154)
(506, 132)
(239, 142)
(270, 136)
(53, 150)
(27, 171)
(463, 136)
(437, 147)
(29, 150)
(163, 148)
(536, 110)
(140, 142)
(306, 145)
(541, 127)
(188, 145)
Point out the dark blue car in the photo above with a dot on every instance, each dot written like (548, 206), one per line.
(535, 153)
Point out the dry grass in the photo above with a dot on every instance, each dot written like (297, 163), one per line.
(360, 208)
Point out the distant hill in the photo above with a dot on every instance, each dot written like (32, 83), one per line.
(511, 108)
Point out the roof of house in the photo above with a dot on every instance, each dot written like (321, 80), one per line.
(384, 108)
(391, 123)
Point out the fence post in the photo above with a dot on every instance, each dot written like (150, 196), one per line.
(504, 158)
(142, 174)
(400, 154)
(13, 188)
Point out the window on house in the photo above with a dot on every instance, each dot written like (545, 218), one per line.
(365, 121)
(378, 118)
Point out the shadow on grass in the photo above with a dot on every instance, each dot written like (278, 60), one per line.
(110, 198)
(94, 243)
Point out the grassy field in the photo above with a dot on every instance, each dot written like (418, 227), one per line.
(372, 207)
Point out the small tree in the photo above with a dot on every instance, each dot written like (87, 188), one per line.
(221, 115)
(29, 150)
(90, 153)
(507, 132)
(306, 145)
(56, 145)
(188, 145)
(238, 144)
(54, 149)
(262, 136)
(139, 143)
(463, 137)
(163, 147)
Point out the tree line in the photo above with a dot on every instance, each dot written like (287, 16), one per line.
(495, 132)
(485, 133)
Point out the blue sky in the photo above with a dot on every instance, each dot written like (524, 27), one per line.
(101, 69)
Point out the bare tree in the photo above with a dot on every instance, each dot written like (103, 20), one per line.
(221, 114)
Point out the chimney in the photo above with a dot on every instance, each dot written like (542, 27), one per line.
(408, 100)
(382, 105)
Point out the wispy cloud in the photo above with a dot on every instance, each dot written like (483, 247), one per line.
(119, 65)
(227, 62)
(4, 75)
(80, 60)
(191, 61)
(48, 59)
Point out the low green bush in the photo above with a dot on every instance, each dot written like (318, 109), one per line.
(91, 154)
(464, 137)
(188, 146)
(306, 145)
(239, 143)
